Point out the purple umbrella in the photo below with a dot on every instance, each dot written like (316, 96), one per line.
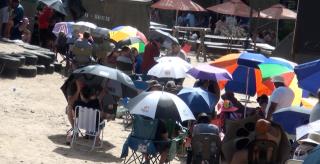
(208, 72)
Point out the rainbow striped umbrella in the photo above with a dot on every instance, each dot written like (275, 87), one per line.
(135, 42)
(125, 32)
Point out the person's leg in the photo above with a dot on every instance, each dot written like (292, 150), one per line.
(70, 114)
(163, 156)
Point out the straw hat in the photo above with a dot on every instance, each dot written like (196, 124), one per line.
(313, 138)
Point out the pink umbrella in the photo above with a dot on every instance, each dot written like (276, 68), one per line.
(179, 5)
(279, 11)
(233, 7)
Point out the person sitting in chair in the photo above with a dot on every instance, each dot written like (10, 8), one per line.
(87, 98)
(202, 126)
(82, 51)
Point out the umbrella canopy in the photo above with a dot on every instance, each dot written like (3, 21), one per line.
(117, 82)
(124, 32)
(233, 7)
(278, 11)
(179, 5)
(160, 105)
(208, 72)
(65, 27)
(274, 66)
(155, 34)
(135, 42)
(168, 70)
(174, 59)
(247, 78)
(198, 100)
(84, 26)
(100, 32)
(56, 5)
(292, 117)
(308, 75)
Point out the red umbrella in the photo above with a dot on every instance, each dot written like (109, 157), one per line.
(279, 11)
(179, 5)
(233, 7)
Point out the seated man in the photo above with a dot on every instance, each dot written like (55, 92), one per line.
(202, 126)
(177, 51)
(162, 141)
(82, 51)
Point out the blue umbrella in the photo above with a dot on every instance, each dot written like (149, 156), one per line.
(313, 157)
(308, 75)
(198, 100)
(251, 60)
(291, 117)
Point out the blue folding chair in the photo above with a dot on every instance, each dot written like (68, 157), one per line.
(141, 142)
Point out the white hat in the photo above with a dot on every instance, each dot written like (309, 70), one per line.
(313, 137)
(278, 79)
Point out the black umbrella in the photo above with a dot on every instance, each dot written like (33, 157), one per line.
(56, 5)
(118, 83)
(160, 105)
(155, 34)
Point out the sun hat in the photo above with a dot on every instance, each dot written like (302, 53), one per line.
(226, 106)
(278, 79)
(313, 138)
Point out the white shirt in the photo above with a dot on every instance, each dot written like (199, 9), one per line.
(315, 113)
(283, 96)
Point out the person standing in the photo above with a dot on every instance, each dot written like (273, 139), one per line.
(151, 51)
(281, 97)
(4, 15)
(315, 113)
(44, 20)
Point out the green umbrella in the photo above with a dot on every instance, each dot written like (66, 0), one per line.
(275, 66)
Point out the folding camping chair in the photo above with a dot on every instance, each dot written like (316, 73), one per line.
(141, 141)
(259, 150)
(88, 120)
(206, 147)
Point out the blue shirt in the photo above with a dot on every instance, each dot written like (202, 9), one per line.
(138, 62)
(18, 14)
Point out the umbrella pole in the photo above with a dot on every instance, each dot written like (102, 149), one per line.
(177, 12)
(277, 33)
(247, 42)
(247, 96)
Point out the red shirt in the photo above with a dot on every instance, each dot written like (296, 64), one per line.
(44, 18)
(151, 50)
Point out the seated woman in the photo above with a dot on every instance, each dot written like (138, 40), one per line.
(87, 98)
(21, 31)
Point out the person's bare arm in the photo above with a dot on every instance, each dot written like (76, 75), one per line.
(272, 108)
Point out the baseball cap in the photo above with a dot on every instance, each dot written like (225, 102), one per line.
(278, 79)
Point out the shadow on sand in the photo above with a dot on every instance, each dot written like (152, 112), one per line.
(97, 155)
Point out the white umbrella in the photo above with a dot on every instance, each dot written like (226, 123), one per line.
(56, 5)
(160, 105)
(84, 26)
(174, 59)
(168, 70)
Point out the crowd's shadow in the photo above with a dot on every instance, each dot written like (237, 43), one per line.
(97, 155)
